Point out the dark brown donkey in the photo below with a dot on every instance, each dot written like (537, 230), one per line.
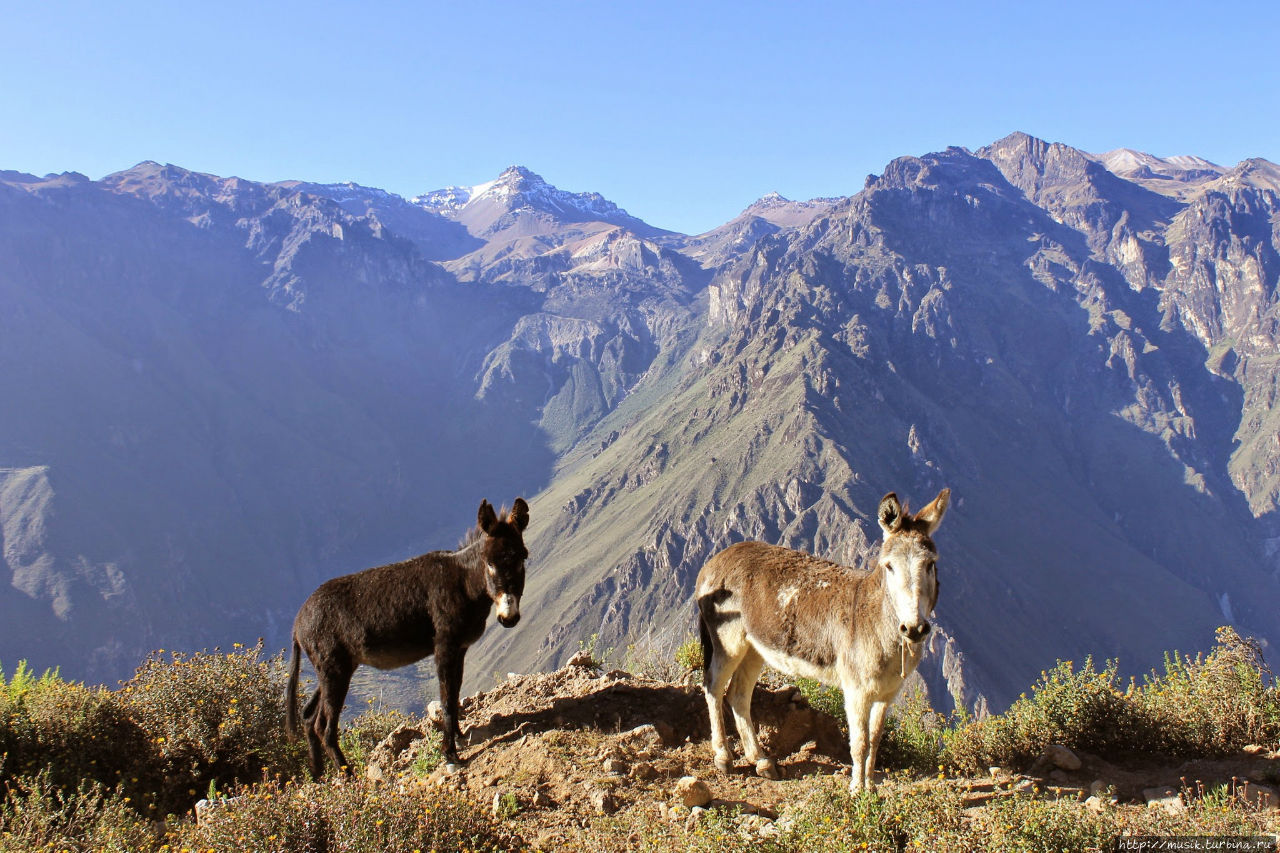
(391, 616)
(864, 631)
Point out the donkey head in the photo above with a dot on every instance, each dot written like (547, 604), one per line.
(909, 561)
(504, 556)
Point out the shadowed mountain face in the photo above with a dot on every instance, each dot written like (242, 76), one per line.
(218, 393)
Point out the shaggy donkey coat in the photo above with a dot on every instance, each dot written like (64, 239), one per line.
(395, 615)
(760, 604)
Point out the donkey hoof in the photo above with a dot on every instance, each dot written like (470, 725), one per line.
(766, 769)
(724, 765)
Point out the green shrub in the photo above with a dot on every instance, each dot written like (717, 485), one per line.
(1212, 704)
(1208, 705)
(825, 698)
(913, 732)
(65, 731)
(356, 816)
(37, 813)
(882, 819)
(209, 717)
(688, 655)
(1037, 825)
(597, 655)
(363, 733)
(1078, 708)
(430, 753)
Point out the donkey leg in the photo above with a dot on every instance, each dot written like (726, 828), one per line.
(315, 748)
(857, 711)
(449, 673)
(875, 729)
(309, 709)
(740, 689)
(335, 686)
(716, 675)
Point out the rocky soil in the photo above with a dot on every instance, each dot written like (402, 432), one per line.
(581, 757)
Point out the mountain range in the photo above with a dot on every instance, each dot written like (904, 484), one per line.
(217, 393)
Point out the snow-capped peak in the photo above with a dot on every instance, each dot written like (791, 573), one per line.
(519, 188)
(1126, 160)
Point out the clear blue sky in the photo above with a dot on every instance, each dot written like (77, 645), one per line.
(681, 112)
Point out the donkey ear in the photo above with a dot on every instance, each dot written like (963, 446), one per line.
(486, 518)
(932, 514)
(889, 514)
(519, 514)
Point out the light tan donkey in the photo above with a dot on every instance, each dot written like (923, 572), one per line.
(863, 631)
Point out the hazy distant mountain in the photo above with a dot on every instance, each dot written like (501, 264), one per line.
(437, 237)
(1179, 177)
(764, 217)
(218, 392)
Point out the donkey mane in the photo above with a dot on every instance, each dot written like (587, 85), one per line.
(475, 533)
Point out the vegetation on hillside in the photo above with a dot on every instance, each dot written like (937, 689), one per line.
(87, 768)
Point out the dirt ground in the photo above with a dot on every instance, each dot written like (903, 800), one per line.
(580, 754)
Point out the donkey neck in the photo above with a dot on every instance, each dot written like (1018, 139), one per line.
(470, 558)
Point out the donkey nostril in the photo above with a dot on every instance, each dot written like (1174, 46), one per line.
(902, 629)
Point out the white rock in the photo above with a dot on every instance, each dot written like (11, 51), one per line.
(1062, 757)
(692, 792)
(602, 801)
(646, 735)
(1164, 798)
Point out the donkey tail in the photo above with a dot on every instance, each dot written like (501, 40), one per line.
(291, 696)
(708, 647)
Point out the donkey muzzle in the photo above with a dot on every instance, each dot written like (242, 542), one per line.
(508, 610)
(915, 633)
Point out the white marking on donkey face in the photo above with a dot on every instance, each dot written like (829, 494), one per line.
(909, 582)
(508, 607)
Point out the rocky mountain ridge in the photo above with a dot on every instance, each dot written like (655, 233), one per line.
(286, 381)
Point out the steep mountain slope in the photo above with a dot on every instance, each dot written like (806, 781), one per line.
(1222, 288)
(216, 394)
(991, 322)
(219, 392)
(609, 295)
